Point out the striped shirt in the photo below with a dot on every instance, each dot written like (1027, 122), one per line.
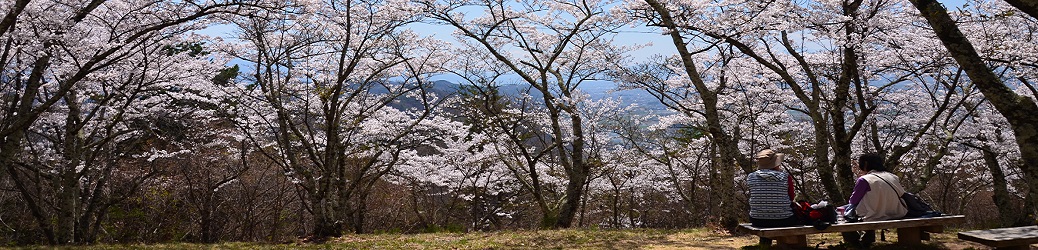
(771, 193)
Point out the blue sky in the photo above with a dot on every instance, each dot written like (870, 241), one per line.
(657, 43)
(628, 36)
(660, 44)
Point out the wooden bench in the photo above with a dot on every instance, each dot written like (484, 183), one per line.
(909, 231)
(1004, 238)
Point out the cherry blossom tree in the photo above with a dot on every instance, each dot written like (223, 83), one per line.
(828, 66)
(865, 82)
(554, 47)
(699, 94)
(987, 141)
(75, 77)
(338, 91)
(460, 163)
(1017, 108)
(662, 153)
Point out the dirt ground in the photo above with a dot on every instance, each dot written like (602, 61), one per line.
(696, 238)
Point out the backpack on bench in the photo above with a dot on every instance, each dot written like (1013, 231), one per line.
(917, 208)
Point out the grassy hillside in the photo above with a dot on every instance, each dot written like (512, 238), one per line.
(552, 239)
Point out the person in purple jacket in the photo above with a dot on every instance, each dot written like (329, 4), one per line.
(875, 197)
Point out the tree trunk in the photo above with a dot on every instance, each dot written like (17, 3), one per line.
(578, 173)
(730, 159)
(9, 148)
(12, 145)
(68, 188)
(826, 173)
(68, 195)
(842, 136)
(574, 192)
(1028, 6)
(359, 214)
(1018, 110)
(1009, 213)
(616, 208)
(325, 223)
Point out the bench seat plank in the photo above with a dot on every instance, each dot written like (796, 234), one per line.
(1003, 237)
(925, 223)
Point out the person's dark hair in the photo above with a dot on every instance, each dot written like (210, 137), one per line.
(871, 161)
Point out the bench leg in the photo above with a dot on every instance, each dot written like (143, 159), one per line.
(909, 236)
(798, 241)
(764, 242)
(934, 229)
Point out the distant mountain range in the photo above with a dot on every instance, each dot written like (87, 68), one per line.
(598, 91)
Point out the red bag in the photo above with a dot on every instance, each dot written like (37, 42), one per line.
(810, 216)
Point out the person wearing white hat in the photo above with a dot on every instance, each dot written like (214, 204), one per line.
(771, 193)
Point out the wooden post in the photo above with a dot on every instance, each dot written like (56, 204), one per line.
(796, 241)
(909, 236)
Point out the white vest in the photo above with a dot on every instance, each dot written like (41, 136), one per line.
(882, 202)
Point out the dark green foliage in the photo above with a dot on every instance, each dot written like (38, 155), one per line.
(479, 101)
(225, 76)
(192, 49)
(687, 134)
